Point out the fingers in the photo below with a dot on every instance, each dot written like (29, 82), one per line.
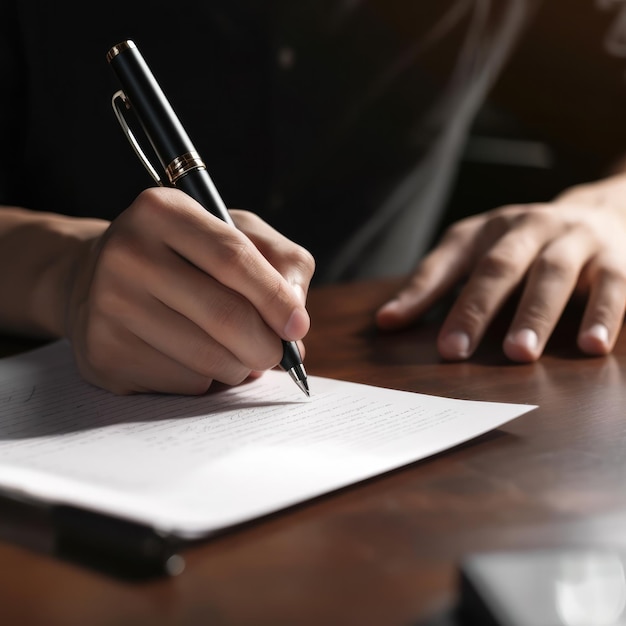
(187, 298)
(495, 275)
(435, 276)
(174, 298)
(550, 284)
(142, 370)
(604, 313)
(294, 263)
(575, 243)
(552, 251)
(232, 259)
(207, 352)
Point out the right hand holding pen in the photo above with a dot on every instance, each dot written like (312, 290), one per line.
(170, 298)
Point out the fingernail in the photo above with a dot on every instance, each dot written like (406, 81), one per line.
(599, 332)
(524, 338)
(297, 325)
(455, 345)
(595, 340)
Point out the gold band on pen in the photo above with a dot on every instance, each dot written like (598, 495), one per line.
(183, 164)
(119, 48)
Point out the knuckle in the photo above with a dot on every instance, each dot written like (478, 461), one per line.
(613, 274)
(534, 217)
(497, 264)
(303, 260)
(149, 204)
(536, 315)
(458, 230)
(150, 195)
(235, 249)
(535, 214)
(552, 267)
(533, 209)
(155, 209)
(498, 222)
(474, 312)
(505, 212)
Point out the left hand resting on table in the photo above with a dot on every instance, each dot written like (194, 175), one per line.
(575, 244)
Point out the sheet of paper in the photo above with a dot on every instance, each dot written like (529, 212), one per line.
(194, 465)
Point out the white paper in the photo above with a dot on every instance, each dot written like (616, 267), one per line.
(194, 465)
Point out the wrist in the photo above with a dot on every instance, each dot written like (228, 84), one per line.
(42, 255)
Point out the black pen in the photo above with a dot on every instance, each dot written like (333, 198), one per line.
(183, 166)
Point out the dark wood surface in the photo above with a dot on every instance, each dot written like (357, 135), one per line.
(384, 551)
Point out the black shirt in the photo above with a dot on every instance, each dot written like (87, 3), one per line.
(309, 142)
(311, 113)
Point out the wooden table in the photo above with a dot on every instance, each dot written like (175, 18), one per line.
(384, 551)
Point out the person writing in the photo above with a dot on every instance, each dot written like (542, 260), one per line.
(156, 294)
(165, 298)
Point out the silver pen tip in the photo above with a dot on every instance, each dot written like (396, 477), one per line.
(299, 377)
(305, 387)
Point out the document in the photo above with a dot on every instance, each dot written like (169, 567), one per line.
(190, 466)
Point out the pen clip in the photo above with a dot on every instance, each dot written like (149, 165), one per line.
(120, 103)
